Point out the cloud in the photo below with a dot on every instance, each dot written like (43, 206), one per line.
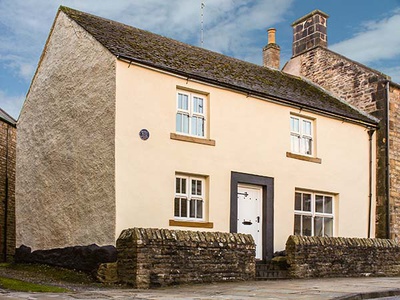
(376, 40)
(393, 72)
(11, 104)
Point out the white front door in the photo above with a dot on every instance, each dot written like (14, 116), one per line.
(250, 213)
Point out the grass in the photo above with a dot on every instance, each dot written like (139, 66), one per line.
(39, 273)
(23, 286)
(52, 273)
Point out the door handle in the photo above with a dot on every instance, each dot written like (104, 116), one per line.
(247, 222)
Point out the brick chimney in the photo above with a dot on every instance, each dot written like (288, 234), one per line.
(309, 32)
(271, 52)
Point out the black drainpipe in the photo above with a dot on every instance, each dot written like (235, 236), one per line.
(370, 134)
(387, 163)
(6, 202)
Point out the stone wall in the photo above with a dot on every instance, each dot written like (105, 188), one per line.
(65, 189)
(160, 257)
(342, 257)
(8, 136)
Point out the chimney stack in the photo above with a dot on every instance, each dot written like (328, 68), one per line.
(309, 32)
(271, 52)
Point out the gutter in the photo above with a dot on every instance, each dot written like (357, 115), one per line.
(388, 233)
(247, 92)
(370, 134)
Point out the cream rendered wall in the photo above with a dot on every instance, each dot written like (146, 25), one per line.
(252, 136)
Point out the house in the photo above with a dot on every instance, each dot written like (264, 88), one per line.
(365, 88)
(124, 128)
(8, 136)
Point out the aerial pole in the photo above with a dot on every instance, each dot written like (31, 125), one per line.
(202, 23)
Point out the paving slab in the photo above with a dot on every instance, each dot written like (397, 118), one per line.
(333, 288)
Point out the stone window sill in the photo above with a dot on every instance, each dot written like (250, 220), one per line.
(192, 139)
(303, 157)
(191, 224)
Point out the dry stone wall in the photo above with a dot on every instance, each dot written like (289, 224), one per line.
(160, 257)
(342, 257)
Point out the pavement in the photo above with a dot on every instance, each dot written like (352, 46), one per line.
(332, 288)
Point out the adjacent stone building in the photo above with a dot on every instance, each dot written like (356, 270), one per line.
(8, 136)
(365, 88)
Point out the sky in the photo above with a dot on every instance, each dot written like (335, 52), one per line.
(367, 31)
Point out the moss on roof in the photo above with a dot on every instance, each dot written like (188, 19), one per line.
(168, 54)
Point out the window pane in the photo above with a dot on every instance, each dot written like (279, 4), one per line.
(294, 124)
(297, 225)
(183, 101)
(306, 202)
(319, 203)
(295, 143)
(306, 225)
(193, 187)
(328, 227)
(200, 127)
(192, 208)
(297, 201)
(328, 205)
(185, 123)
(179, 122)
(307, 144)
(183, 185)
(199, 209)
(177, 185)
(184, 209)
(318, 228)
(197, 105)
(306, 127)
(199, 188)
(201, 111)
(176, 207)
(194, 125)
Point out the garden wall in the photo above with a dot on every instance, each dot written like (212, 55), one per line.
(342, 257)
(160, 257)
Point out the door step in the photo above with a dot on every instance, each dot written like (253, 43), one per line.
(274, 269)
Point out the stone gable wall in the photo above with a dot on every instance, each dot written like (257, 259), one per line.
(65, 189)
(8, 136)
(342, 257)
(160, 257)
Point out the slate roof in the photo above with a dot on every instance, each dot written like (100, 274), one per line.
(7, 118)
(150, 49)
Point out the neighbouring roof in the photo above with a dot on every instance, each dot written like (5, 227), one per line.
(153, 50)
(7, 118)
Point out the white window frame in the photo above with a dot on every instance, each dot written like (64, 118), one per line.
(191, 114)
(188, 196)
(302, 136)
(313, 214)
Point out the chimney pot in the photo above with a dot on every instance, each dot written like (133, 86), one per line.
(271, 36)
(271, 52)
